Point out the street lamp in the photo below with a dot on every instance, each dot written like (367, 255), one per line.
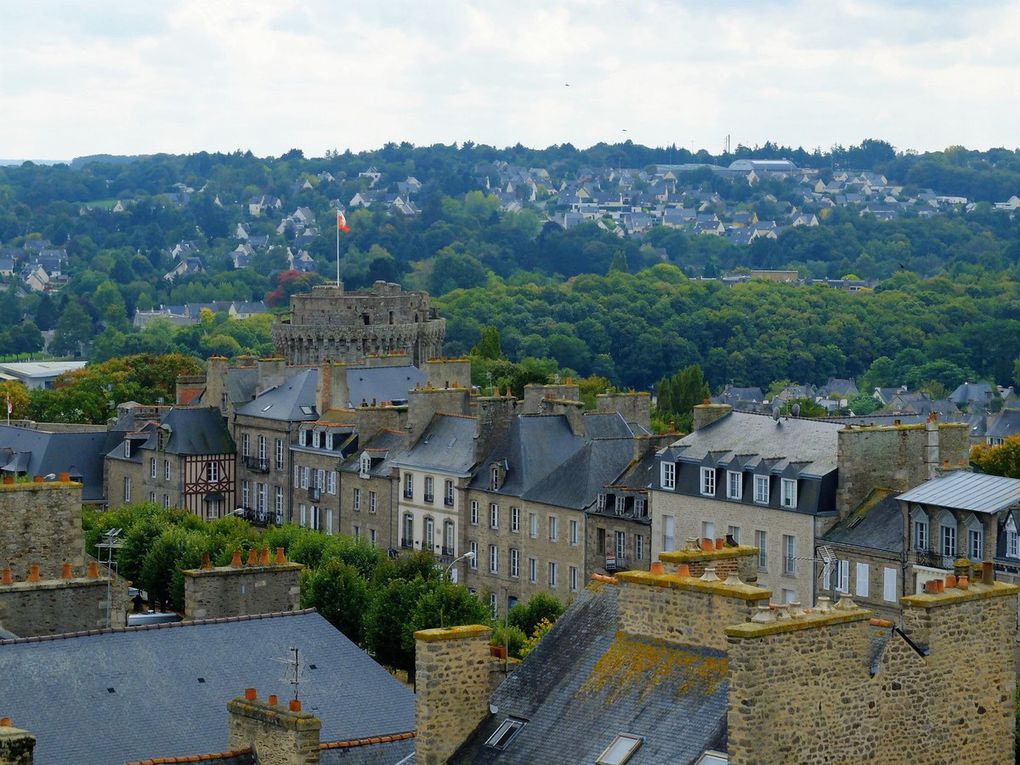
(466, 556)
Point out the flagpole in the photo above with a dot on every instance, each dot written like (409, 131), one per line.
(338, 248)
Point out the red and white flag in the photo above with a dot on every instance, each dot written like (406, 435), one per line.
(10, 406)
(341, 222)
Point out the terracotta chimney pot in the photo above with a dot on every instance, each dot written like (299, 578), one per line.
(235, 561)
(93, 572)
(253, 557)
(251, 694)
(656, 567)
(683, 569)
(6, 577)
(281, 557)
(66, 572)
(294, 705)
(33, 573)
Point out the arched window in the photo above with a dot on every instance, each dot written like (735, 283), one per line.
(920, 537)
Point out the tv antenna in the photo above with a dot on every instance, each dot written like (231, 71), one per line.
(111, 542)
(293, 676)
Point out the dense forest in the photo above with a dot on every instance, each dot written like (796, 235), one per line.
(593, 298)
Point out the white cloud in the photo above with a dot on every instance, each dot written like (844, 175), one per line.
(187, 75)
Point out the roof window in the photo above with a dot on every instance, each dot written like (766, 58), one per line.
(505, 733)
(620, 750)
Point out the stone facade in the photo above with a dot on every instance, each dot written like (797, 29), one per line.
(331, 324)
(59, 606)
(16, 745)
(278, 734)
(40, 523)
(236, 590)
(453, 680)
(896, 457)
(805, 689)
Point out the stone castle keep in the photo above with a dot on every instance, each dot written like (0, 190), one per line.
(330, 324)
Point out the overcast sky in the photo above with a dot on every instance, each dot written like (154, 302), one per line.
(188, 75)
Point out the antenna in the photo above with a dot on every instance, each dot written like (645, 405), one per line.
(293, 676)
(112, 537)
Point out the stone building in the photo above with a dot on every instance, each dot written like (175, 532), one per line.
(330, 324)
(666, 666)
(185, 458)
(368, 488)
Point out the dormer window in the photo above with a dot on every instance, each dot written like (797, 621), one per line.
(127, 447)
(621, 504)
(639, 507)
(365, 465)
(600, 503)
(495, 478)
(316, 439)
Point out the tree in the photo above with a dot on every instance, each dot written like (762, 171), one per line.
(17, 394)
(526, 616)
(338, 592)
(677, 396)
(1002, 459)
(386, 622)
(74, 330)
(488, 345)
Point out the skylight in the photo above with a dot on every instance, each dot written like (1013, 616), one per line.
(307, 410)
(620, 750)
(713, 758)
(505, 733)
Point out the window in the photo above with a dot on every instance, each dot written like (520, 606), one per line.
(166, 500)
(708, 481)
(761, 541)
(504, 733)
(639, 547)
(667, 475)
(331, 482)
(600, 502)
(620, 750)
(152, 497)
(329, 441)
(494, 478)
(357, 500)
(127, 447)
(842, 573)
(320, 479)
(364, 465)
(761, 489)
(430, 483)
(473, 548)
(448, 493)
(408, 485)
(493, 515)
(1012, 539)
(621, 504)
(862, 575)
(573, 532)
(448, 534)
(166, 470)
(515, 519)
(621, 546)
(532, 570)
(263, 444)
(278, 502)
(889, 585)
(373, 534)
(515, 562)
(373, 502)
(245, 445)
(260, 498)
(975, 544)
(947, 536)
(127, 488)
(573, 578)
(600, 540)
(279, 454)
(429, 543)
(493, 559)
(533, 525)
(639, 507)
(788, 492)
(152, 467)
(474, 512)
(921, 539)
(734, 484)
(407, 540)
(707, 530)
(317, 439)
(668, 533)
(493, 605)
(357, 532)
(552, 574)
(789, 555)
(554, 528)
(245, 494)
(734, 533)
(789, 596)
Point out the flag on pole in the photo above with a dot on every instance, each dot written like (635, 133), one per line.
(10, 406)
(341, 223)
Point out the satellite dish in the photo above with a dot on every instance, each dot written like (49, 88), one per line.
(795, 410)
(775, 413)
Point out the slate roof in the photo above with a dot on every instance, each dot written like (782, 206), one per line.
(960, 490)
(381, 384)
(1004, 424)
(973, 393)
(447, 446)
(790, 440)
(197, 431)
(385, 447)
(577, 480)
(160, 708)
(585, 683)
(368, 753)
(533, 446)
(37, 452)
(876, 524)
(291, 401)
(606, 425)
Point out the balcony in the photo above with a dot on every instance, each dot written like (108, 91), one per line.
(314, 493)
(261, 518)
(616, 564)
(933, 559)
(256, 464)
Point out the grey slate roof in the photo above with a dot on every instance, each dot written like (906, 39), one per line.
(381, 384)
(575, 706)
(384, 753)
(533, 446)
(791, 440)
(447, 445)
(876, 524)
(58, 688)
(195, 431)
(960, 490)
(38, 452)
(576, 481)
(292, 401)
(973, 393)
(1006, 423)
(385, 447)
(606, 425)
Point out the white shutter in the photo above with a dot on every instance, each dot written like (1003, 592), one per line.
(844, 576)
(889, 585)
(863, 572)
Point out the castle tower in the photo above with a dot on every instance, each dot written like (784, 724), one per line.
(331, 324)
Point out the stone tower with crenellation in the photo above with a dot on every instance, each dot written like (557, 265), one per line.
(329, 324)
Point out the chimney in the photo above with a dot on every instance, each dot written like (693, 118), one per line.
(424, 403)
(448, 373)
(706, 414)
(572, 410)
(535, 394)
(931, 447)
(331, 390)
(634, 407)
(216, 384)
(16, 745)
(271, 372)
(278, 735)
(452, 678)
(495, 414)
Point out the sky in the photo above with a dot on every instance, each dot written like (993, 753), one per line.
(219, 75)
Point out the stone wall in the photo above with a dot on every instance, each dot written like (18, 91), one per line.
(635, 407)
(262, 588)
(452, 678)
(40, 523)
(895, 457)
(741, 560)
(279, 734)
(683, 609)
(808, 688)
(448, 373)
(534, 394)
(423, 403)
(58, 606)
(16, 745)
